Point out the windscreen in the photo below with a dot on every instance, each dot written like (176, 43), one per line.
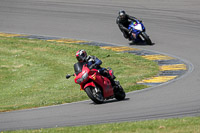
(78, 67)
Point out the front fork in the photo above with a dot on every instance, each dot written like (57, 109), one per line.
(141, 37)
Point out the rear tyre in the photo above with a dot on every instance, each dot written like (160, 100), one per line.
(95, 94)
(146, 38)
(119, 92)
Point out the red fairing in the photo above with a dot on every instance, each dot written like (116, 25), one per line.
(103, 82)
(89, 84)
(107, 87)
(92, 78)
(80, 78)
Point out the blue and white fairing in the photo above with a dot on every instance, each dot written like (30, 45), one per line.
(136, 27)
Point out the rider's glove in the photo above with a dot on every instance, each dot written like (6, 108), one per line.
(92, 66)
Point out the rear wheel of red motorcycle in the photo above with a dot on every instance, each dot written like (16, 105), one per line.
(120, 94)
(95, 94)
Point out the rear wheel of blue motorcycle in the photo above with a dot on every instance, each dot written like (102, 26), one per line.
(95, 94)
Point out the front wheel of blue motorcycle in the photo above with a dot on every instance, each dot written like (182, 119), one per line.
(95, 94)
(145, 38)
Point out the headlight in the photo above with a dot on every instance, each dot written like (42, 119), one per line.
(85, 75)
(79, 80)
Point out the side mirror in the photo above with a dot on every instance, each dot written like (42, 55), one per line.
(68, 76)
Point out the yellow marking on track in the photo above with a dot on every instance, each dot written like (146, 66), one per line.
(10, 35)
(175, 67)
(159, 79)
(157, 57)
(119, 48)
(67, 41)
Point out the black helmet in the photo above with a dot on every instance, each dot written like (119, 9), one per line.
(81, 55)
(122, 14)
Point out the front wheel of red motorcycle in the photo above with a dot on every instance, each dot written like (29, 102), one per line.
(95, 94)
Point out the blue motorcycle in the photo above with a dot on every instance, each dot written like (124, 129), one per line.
(137, 32)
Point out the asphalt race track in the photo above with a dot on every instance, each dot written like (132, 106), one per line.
(173, 25)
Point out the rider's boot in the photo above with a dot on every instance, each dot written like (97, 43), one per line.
(113, 83)
(111, 80)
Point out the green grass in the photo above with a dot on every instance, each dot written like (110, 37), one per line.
(178, 125)
(32, 72)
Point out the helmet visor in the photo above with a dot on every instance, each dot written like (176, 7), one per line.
(122, 15)
(81, 57)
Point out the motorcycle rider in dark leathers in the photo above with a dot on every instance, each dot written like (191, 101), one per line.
(123, 21)
(94, 62)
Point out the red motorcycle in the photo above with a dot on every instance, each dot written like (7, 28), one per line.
(97, 87)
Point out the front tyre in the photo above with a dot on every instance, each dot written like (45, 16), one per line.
(145, 38)
(95, 94)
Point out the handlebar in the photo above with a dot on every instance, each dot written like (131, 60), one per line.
(69, 75)
(92, 66)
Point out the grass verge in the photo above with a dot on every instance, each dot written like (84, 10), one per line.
(32, 72)
(177, 125)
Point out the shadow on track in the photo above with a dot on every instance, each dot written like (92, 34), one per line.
(140, 43)
(111, 101)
